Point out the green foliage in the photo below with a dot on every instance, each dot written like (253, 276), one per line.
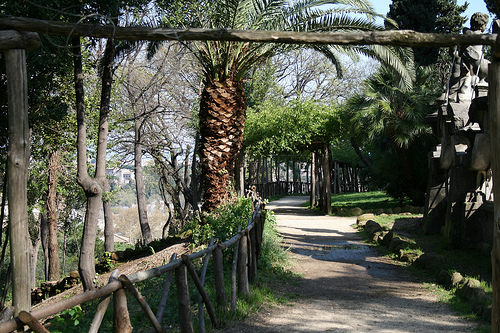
(289, 128)
(432, 16)
(67, 321)
(273, 256)
(390, 119)
(223, 222)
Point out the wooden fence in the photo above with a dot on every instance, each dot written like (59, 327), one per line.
(247, 247)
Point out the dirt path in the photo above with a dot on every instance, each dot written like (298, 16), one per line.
(347, 286)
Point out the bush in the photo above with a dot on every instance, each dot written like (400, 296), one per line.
(223, 222)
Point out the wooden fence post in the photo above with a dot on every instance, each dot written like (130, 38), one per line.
(121, 318)
(166, 289)
(17, 164)
(494, 111)
(220, 291)
(102, 306)
(252, 254)
(242, 269)
(233, 275)
(185, 316)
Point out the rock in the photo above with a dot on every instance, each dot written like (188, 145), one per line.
(387, 238)
(409, 257)
(395, 242)
(378, 211)
(397, 210)
(486, 315)
(449, 279)
(379, 236)
(431, 262)
(456, 278)
(414, 210)
(364, 218)
(389, 211)
(372, 227)
(356, 211)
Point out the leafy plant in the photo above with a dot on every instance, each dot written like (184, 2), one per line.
(68, 320)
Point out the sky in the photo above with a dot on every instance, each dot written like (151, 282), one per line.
(382, 7)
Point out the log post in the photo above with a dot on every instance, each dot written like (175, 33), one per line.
(494, 111)
(201, 290)
(220, 291)
(242, 268)
(28, 319)
(102, 306)
(142, 302)
(121, 318)
(203, 275)
(166, 289)
(17, 165)
(252, 257)
(185, 316)
(233, 275)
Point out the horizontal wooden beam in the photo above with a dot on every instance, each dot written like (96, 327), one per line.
(390, 37)
(11, 39)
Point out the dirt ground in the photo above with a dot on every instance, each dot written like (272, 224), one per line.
(347, 286)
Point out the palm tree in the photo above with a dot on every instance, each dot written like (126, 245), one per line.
(225, 65)
(391, 110)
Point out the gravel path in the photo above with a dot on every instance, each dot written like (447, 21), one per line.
(347, 286)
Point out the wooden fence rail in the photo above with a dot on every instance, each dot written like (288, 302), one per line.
(247, 245)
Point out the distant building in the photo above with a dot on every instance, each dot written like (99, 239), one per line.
(124, 176)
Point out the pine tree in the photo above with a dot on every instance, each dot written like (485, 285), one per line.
(430, 16)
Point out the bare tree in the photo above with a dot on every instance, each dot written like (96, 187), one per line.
(158, 96)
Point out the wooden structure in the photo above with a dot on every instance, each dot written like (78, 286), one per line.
(394, 37)
(285, 175)
(246, 249)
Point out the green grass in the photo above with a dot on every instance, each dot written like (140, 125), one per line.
(365, 200)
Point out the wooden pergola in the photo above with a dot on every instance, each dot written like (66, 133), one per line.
(19, 34)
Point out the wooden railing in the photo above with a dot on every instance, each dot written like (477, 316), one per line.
(247, 247)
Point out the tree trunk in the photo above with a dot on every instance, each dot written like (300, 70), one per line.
(53, 216)
(45, 246)
(222, 119)
(109, 227)
(93, 187)
(18, 161)
(327, 184)
(142, 205)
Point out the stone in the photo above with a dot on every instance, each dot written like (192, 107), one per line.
(372, 227)
(389, 211)
(356, 211)
(449, 279)
(395, 242)
(378, 211)
(431, 262)
(365, 217)
(397, 210)
(387, 238)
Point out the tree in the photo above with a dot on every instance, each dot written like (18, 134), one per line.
(161, 117)
(432, 16)
(226, 64)
(392, 117)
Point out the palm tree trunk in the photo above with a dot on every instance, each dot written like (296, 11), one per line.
(222, 119)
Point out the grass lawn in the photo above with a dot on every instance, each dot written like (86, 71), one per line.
(365, 201)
